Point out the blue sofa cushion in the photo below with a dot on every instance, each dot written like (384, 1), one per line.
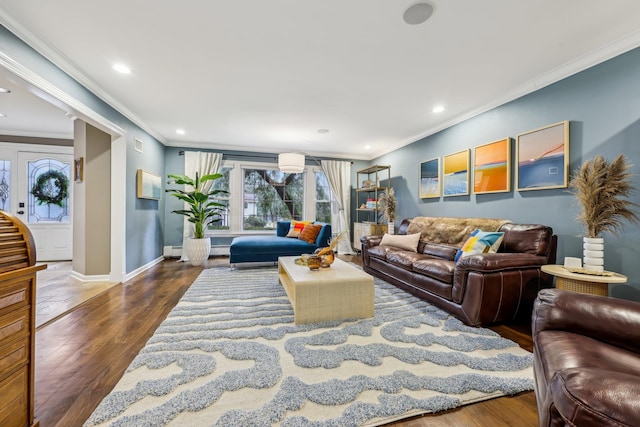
(269, 248)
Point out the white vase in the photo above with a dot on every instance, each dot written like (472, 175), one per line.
(593, 253)
(198, 250)
(390, 228)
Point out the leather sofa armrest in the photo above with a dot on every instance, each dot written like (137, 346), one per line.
(500, 261)
(611, 320)
(370, 241)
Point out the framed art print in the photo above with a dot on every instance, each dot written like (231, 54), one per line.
(492, 167)
(543, 158)
(455, 178)
(149, 185)
(430, 178)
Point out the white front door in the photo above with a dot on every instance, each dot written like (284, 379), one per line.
(44, 200)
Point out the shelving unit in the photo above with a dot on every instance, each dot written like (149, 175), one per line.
(371, 182)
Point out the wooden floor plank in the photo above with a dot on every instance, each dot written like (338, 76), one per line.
(81, 356)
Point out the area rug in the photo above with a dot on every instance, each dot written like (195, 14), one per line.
(229, 354)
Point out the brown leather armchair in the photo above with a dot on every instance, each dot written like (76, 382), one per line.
(586, 359)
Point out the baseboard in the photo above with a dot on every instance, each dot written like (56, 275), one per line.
(142, 269)
(176, 251)
(92, 278)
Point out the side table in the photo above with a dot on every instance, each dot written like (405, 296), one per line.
(583, 283)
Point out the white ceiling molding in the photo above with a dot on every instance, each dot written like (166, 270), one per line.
(76, 107)
(68, 67)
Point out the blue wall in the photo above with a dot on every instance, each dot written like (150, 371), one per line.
(603, 107)
(144, 238)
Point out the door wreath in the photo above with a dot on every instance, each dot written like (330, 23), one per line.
(51, 188)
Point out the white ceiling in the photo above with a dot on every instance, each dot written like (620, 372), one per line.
(266, 75)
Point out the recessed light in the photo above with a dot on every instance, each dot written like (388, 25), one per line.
(4, 90)
(323, 130)
(418, 13)
(367, 147)
(438, 109)
(121, 68)
(3, 115)
(180, 131)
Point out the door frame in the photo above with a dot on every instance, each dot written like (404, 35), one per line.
(46, 90)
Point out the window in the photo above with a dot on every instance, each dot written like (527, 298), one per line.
(260, 196)
(271, 196)
(222, 183)
(323, 198)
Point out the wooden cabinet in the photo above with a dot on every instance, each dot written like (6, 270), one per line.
(366, 229)
(371, 181)
(17, 322)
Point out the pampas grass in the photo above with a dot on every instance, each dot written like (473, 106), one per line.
(387, 202)
(602, 189)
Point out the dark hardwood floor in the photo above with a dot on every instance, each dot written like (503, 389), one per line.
(81, 356)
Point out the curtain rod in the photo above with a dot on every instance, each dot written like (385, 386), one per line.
(274, 157)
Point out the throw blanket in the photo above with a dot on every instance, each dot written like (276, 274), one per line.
(451, 231)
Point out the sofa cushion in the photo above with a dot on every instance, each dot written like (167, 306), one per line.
(379, 252)
(451, 231)
(310, 232)
(403, 258)
(438, 269)
(480, 242)
(408, 242)
(437, 250)
(296, 228)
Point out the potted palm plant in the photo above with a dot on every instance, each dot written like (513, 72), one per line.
(201, 211)
(602, 189)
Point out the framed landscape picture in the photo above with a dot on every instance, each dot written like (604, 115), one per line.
(149, 185)
(430, 179)
(492, 167)
(455, 178)
(543, 158)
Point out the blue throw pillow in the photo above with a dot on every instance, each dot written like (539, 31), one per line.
(480, 242)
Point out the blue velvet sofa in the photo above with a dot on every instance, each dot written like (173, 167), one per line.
(269, 248)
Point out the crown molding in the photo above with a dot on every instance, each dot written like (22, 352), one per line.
(270, 150)
(568, 69)
(65, 64)
(71, 104)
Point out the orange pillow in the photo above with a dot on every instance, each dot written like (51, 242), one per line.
(310, 233)
(296, 228)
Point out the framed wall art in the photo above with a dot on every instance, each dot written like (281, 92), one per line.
(455, 177)
(149, 185)
(543, 158)
(430, 179)
(492, 167)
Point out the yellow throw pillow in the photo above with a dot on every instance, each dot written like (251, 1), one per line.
(310, 233)
(296, 227)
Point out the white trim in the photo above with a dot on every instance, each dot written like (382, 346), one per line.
(118, 210)
(60, 61)
(142, 269)
(77, 108)
(94, 278)
(118, 150)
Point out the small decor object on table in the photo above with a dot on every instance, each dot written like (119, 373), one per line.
(327, 254)
(314, 262)
(602, 189)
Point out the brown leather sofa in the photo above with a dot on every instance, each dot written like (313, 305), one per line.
(479, 289)
(586, 359)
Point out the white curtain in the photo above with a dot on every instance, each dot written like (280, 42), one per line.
(204, 164)
(339, 176)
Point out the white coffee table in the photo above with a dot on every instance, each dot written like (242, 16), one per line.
(335, 293)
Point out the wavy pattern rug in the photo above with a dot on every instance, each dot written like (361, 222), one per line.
(229, 354)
